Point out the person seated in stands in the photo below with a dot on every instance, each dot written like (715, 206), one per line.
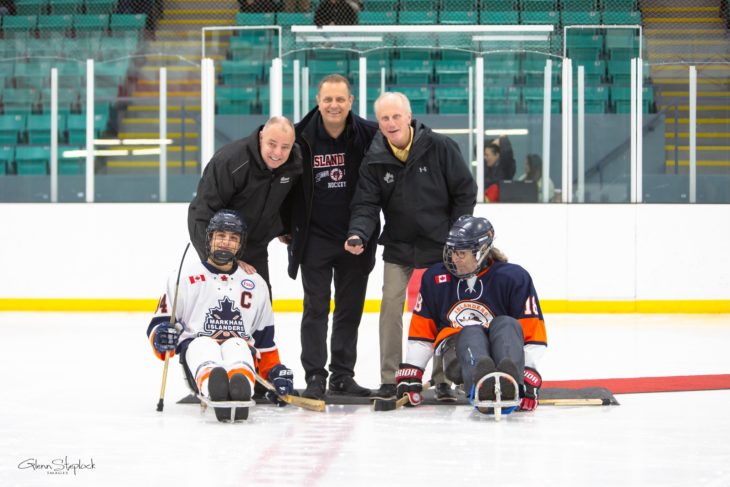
(336, 12)
(500, 165)
(255, 6)
(533, 172)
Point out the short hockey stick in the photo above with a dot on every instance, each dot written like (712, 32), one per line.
(302, 402)
(161, 402)
(574, 402)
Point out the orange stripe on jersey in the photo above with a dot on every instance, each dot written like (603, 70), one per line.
(268, 360)
(534, 330)
(202, 376)
(446, 333)
(422, 329)
(245, 371)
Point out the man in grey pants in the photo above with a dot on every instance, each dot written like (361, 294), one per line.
(422, 184)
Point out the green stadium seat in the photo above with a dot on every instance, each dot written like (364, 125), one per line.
(533, 69)
(375, 64)
(82, 48)
(127, 25)
(369, 17)
(54, 26)
(573, 17)
(68, 99)
(66, 7)
(419, 97)
(318, 68)
(250, 48)
(539, 5)
(39, 128)
(622, 44)
(379, 6)
(7, 156)
(417, 17)
(579, 5)
(622, 18)
(37, 48)
(594, 71)
(33, 74)
(20, 100)
(91, 25)
(498, 5)
(12, 128)
(493, 17)
(418, 5)
(100, 6)
(595, 98)
(459, 17)
(241, 72)
(452, 100)
(534, 99)
(585, 47)
(501, 70)
(19, 26)
(286, 19)
(114, 48)
(621, 97)
(73, 165)
(236, 100)
(456, 5)
(31, 7)
(412, 71)
(76, 126)
(256, 18)
(30, 160)
(620, 5)
(414, 54)
(540, 17)
(452, 71)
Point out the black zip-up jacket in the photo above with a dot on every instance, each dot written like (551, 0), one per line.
(359, 134)
(237, 178)
(420, 199)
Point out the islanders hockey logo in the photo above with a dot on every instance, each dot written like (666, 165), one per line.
(469, 313)
(224, 322)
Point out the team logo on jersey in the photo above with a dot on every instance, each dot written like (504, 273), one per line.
(284, 180)
(388, 178)
(469, 313)
(328, 160)
(248, 284)
(194, 279)
(336, 174)
(225, 321)
(320, 176)
(442, 278)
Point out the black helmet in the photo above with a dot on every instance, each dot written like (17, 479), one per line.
(469, 233)
(225, 221)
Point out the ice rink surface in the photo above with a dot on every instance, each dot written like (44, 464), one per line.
(84, 387)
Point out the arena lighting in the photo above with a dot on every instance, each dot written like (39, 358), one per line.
(341, 39)
(132, 141)
(486, 132)
(510, 38)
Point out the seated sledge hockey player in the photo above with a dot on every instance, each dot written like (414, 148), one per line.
(224, 326)
(482, 315)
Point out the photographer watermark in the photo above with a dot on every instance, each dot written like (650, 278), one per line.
(57, 466)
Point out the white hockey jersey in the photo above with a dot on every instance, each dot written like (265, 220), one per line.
(221, 305)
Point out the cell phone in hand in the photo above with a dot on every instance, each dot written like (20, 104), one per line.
(354, 241)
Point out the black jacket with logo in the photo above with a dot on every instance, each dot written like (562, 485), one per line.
(359, 133)
(420, 199)
(237, 178)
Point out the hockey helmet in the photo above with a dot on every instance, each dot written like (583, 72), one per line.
(469, 233)
(225, 221)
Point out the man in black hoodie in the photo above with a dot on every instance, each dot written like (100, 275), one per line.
(422, 184)
(333, 142)
(252, 176)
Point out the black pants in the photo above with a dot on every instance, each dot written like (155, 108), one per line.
(259, 258)
(322, 260)
(503, 339)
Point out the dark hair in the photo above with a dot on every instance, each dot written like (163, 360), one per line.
(335, 78)
(493, 147)
(535, 172)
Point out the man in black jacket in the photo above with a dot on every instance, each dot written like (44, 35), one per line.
(333, 141)
(252, 176)
(421, 182)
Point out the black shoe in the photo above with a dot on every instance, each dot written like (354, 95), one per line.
(218, 390)
(444, 393)
(386, 391)
(484, 367)
(259, 392)
(346, 386)
(240, 390)
(508, 388)
(316, 387)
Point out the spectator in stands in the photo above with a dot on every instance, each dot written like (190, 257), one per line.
(255, 6)
(7, 7)
(420, 181)
(533, 172)
(500, 165)
(336, 12)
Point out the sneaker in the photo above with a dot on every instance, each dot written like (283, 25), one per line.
(346, 386)
(316, 386)
(240, 390)
(508, 388)
(444, 393)
(386, 392)
(218, 390)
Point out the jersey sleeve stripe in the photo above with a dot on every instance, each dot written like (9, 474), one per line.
(422, 329)
(534, 330)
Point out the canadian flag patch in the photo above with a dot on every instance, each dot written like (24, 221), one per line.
(442, 278)
(194, 279)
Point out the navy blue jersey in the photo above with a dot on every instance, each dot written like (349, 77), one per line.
(446, 304)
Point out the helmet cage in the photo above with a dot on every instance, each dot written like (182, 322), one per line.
(225, 221)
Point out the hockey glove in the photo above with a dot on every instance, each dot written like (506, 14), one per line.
(282, 379)
(409, 382)
(164, 338)
(533, 382)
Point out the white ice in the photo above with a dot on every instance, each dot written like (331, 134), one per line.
(85, 386)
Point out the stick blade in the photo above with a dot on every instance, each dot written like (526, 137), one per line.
(384, 405)
(160, 405)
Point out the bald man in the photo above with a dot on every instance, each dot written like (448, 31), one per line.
(252, 175)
